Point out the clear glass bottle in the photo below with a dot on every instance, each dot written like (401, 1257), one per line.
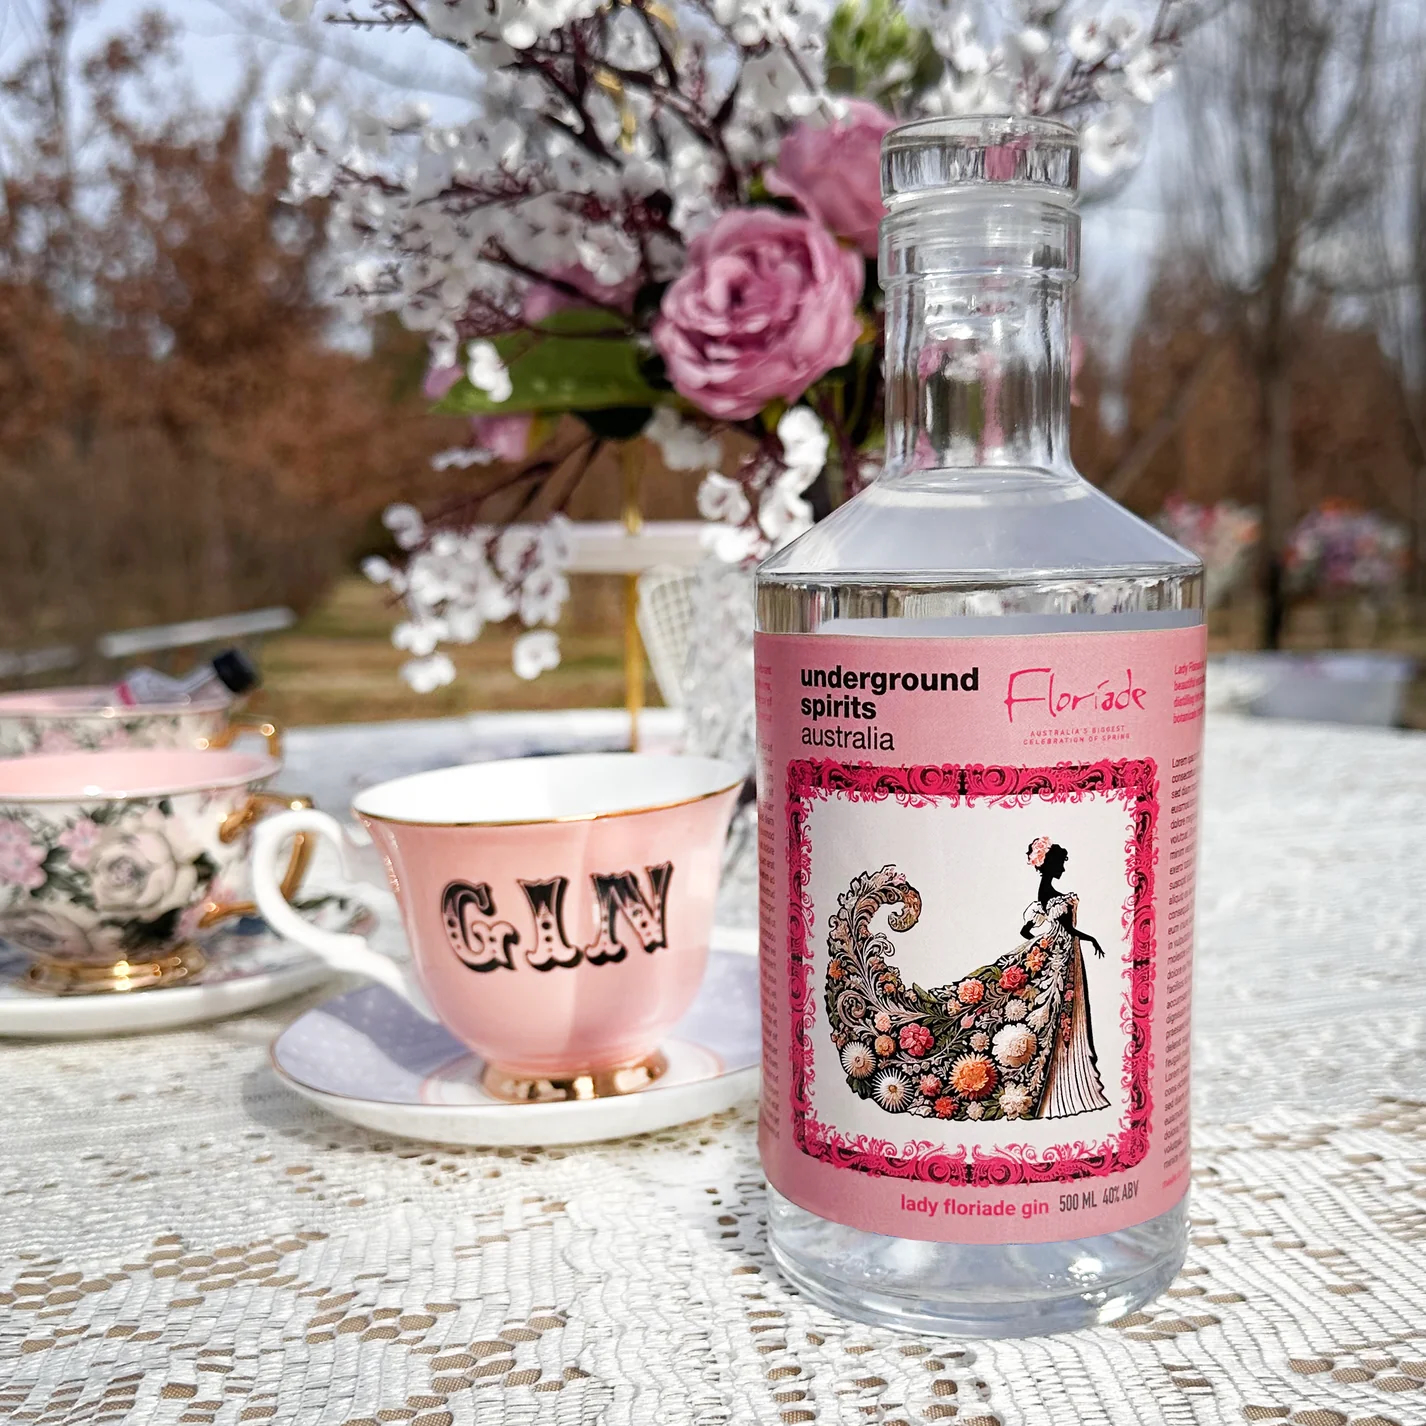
(978, 525)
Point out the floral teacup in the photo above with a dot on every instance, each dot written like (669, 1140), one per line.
(68, 720)
(111, 863)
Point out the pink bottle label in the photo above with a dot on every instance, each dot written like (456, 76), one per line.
(977, 928)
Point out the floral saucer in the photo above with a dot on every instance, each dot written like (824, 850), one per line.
(247, 967)
(369, 1058)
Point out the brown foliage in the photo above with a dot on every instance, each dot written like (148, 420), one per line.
(1348, 433)
(178, 437)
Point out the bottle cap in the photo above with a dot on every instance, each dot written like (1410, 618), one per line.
(236, 671)
(1038, 157)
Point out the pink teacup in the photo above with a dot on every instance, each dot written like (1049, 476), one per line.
(558, 909)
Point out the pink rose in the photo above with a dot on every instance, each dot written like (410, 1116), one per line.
(505, 437)
(766, 305)
(833, 172)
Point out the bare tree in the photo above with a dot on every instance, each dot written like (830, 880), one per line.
(1395, 276)
(1285, 140)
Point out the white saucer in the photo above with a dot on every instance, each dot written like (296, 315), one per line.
(368, 1057)
(248, 967)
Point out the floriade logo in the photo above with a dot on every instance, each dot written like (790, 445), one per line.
(1037, 688)
(483, 943)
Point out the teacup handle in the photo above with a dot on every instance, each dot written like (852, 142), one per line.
(270, 731)
(234, 825)
(341, 950)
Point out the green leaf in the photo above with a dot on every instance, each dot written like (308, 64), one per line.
(578, 359)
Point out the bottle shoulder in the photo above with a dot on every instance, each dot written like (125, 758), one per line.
(990, 527)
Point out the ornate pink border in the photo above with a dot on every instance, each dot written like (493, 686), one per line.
(1135, 781)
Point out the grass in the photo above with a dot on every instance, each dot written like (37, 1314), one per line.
(338, 665)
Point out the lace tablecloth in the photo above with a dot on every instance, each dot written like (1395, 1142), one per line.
(182, 1240)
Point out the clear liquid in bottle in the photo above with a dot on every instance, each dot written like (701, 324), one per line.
(1012, 1159)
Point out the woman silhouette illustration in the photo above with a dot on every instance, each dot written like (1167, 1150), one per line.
(1071, 1083)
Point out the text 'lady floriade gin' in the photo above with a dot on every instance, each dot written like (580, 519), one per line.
(980, 710)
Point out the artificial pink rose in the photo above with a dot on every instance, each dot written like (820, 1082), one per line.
(505, 437)
(766, 305)
(833, 172)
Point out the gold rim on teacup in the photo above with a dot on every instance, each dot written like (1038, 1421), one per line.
(546, 821)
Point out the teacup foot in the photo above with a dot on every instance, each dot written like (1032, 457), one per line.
(58, 978)
(596, 1084)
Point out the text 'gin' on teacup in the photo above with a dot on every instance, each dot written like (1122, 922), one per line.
(88, 719)
(558, 909)
(113, 863)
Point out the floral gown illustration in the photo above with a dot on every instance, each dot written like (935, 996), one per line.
(1011, 1040)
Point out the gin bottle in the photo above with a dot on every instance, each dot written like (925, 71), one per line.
(980, 710)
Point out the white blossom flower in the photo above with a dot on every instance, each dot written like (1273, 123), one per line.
(1015, 1009)
(536, 652)
(804, 443)
(378, 570)
(733, 544)
(485, 371)
(542, 596)
(681, 444)
(783, 514)
(720, 498)
(1148, 74)
(425, 675)
(1088, 40)
(296, 12)
(1039, 1017)
(1113, 142)
(962, 46)
(290, 115)
(514, 547)
(858, 1060)
(416, 637)
(405, 523)
(975, 1110)
(461, 457)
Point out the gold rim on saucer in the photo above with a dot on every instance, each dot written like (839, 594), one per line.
(59, 978)
(597, 1084)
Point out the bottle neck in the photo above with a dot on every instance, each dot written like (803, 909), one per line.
(977, 373)
(977, 334)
